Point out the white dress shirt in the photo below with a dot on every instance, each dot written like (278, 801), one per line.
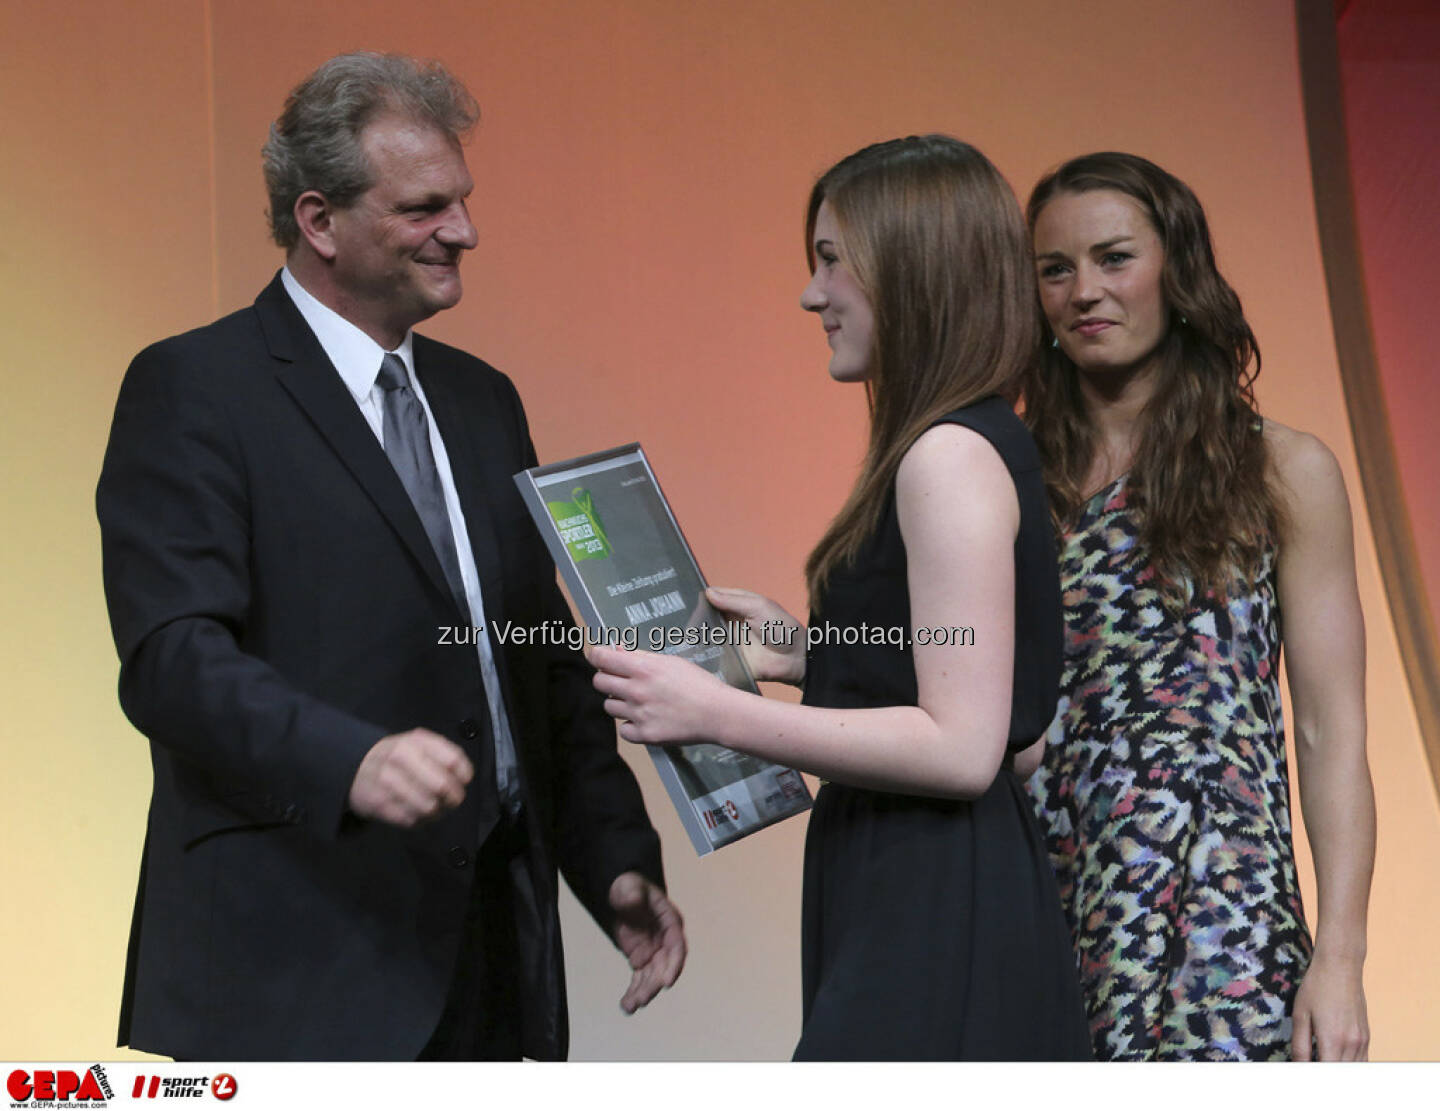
(357, 358)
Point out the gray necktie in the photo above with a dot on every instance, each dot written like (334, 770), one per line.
(407, 443)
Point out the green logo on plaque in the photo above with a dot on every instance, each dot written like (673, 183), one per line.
(579, 525)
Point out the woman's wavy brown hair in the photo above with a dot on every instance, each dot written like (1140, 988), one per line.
(933, 235)
(1200, 477)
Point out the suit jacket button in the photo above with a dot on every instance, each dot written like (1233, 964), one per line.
(293, 813)
(459, 858)
(469, 729)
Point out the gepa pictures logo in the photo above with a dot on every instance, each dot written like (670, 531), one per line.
(59, 1088)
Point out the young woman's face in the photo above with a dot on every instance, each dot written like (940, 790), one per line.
(844, 309)
(1099, 262)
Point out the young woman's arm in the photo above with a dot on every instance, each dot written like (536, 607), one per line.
(1325, 659)
(1027, 760)
(959, 516)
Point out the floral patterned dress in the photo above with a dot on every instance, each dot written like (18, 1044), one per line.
(1165, 801)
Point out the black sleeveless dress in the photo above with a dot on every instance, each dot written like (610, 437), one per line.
(931, 928)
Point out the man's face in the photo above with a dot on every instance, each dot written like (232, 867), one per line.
(398, 246)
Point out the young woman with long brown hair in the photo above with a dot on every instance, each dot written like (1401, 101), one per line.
(1191, 532)
(931, 926)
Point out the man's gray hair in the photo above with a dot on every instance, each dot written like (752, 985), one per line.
(315, 144)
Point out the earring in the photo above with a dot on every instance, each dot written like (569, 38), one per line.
(1183, 320)
(1054, 341)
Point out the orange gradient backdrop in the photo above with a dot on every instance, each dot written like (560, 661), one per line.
(641, 169)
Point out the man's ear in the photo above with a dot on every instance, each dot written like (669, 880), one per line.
(315, 216)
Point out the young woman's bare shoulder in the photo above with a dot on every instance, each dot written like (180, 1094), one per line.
(1303, 469)
(957, 467)
(947, 454)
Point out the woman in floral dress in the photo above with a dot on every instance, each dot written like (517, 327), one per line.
(1192, 532)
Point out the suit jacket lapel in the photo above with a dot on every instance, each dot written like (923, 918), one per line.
(307, 374)
(459, 430)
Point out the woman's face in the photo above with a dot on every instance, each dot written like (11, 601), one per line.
(844, 309)
(1099, 261)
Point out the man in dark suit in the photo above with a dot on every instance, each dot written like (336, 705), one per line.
(361, 798)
